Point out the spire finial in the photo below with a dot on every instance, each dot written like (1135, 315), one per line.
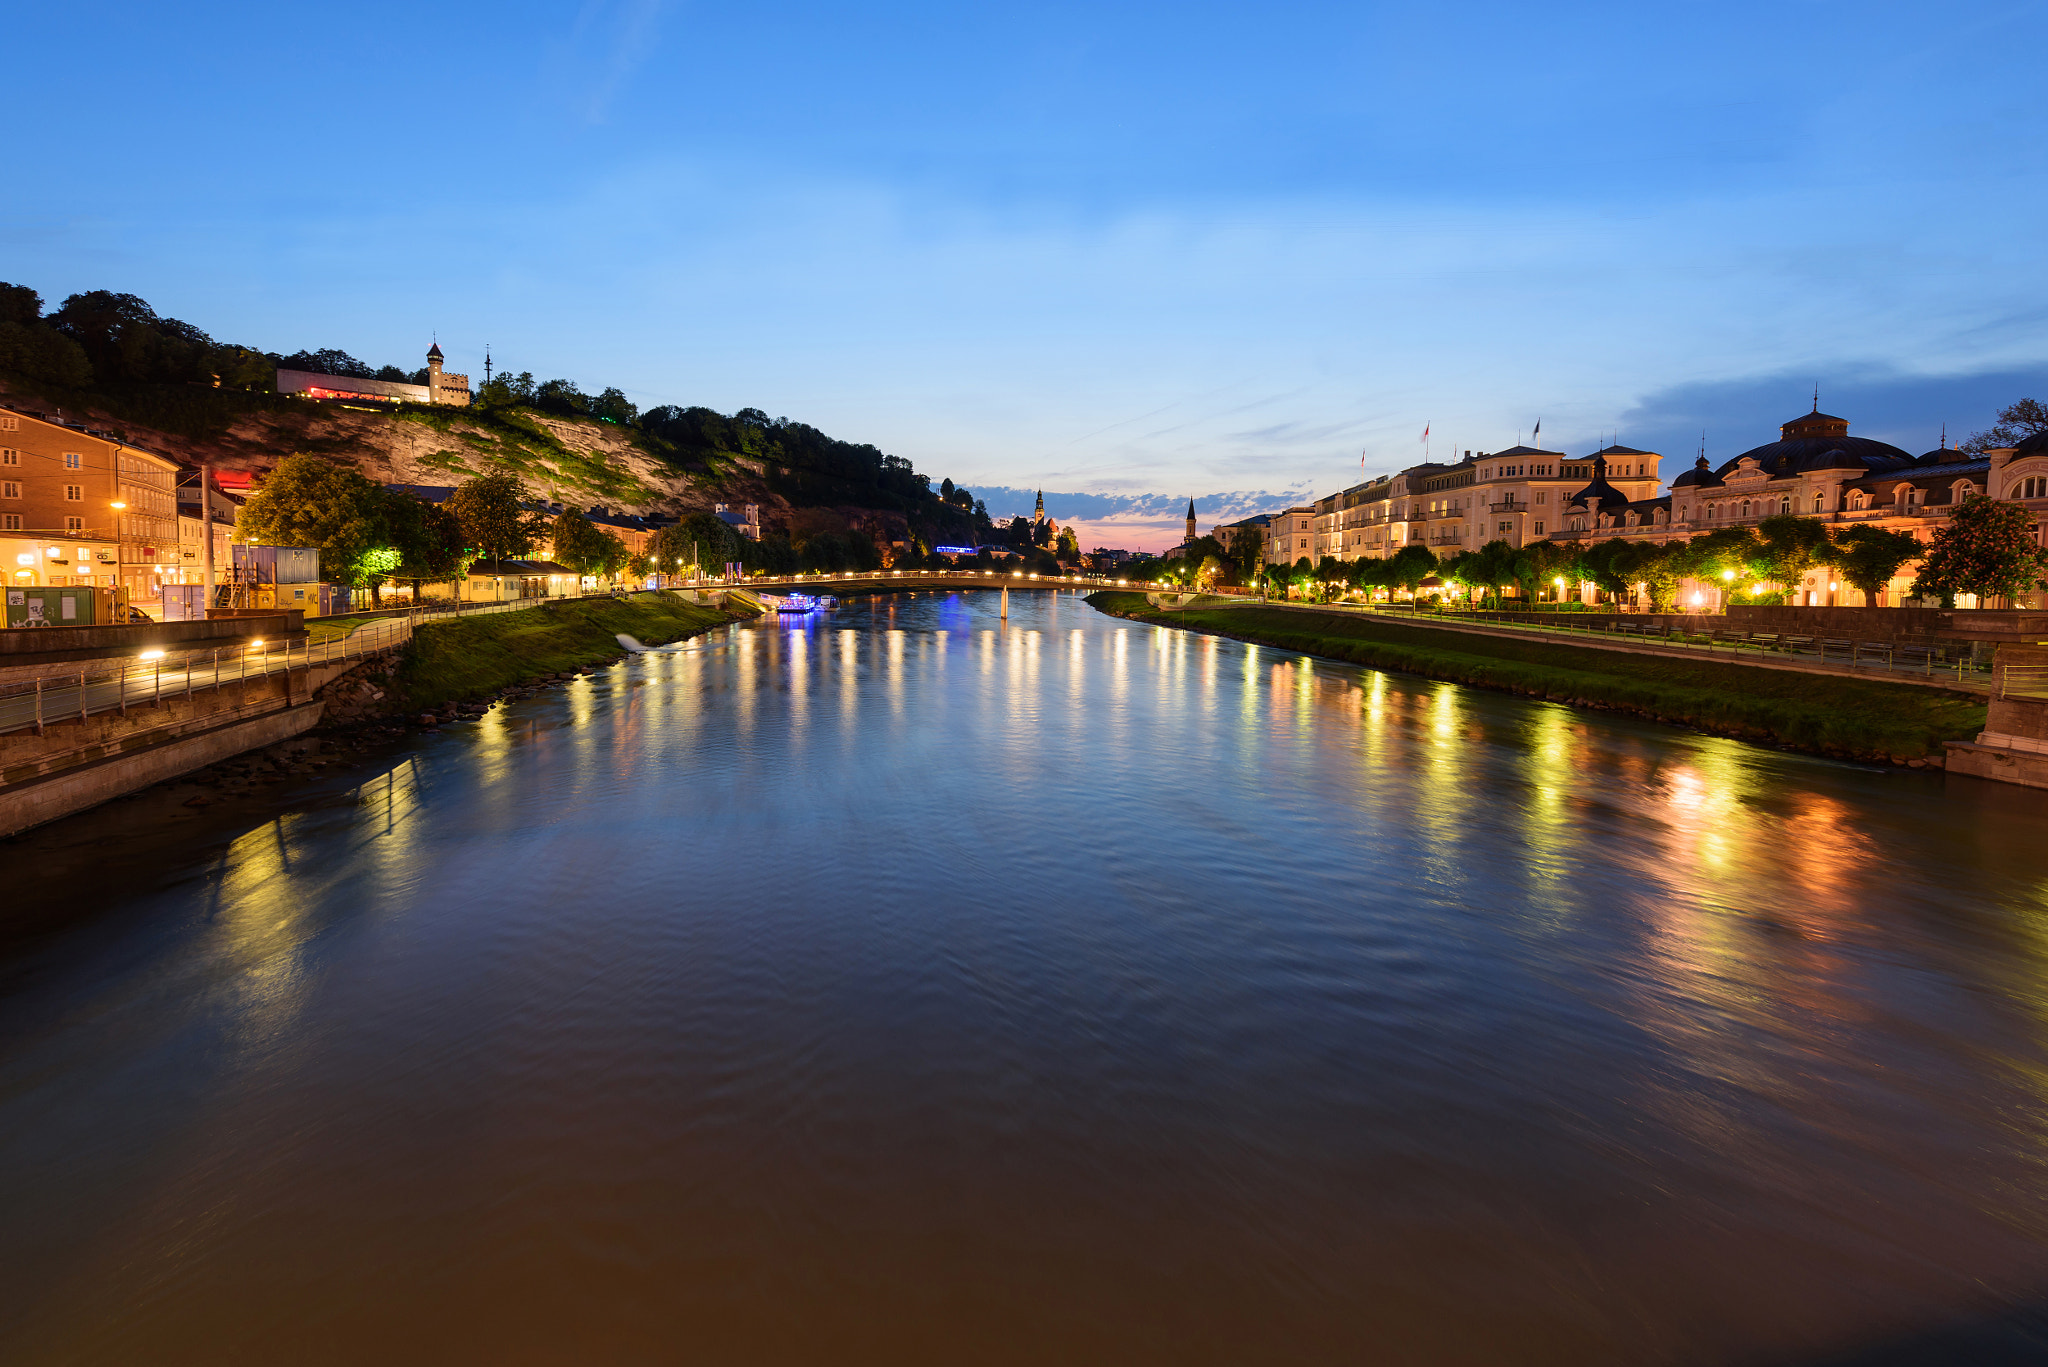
(1816, 398)
(1944, 436)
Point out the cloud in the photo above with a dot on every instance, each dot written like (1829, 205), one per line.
(1137, 521)
(1881, 401)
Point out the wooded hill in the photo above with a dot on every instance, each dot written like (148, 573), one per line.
(111, 361)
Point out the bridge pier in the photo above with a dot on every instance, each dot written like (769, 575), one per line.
(1006, 602)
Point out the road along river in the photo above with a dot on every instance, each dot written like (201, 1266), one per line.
(899, 985)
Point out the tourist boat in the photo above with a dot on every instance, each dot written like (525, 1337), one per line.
(797, 602)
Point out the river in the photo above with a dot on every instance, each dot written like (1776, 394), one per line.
(901, 985)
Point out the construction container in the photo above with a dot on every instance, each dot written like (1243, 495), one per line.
(71, 605)
(315, 600)
(277, 564)
(184, 602)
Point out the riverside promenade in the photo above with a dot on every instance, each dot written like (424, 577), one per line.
(1951, 669)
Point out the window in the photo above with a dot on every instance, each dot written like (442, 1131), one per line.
(9, 456)
(1539, 495)
(74, 524)
(9, 489)
(1785, 505)
(1816, 502)
(9, 423)
(1539, 529)
(1745, 508)
(74, 493)
(72, 460)
(10, 522)
(2034, 486)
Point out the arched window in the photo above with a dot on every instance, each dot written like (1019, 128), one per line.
(1816, 502)
(1962, 491)
(1745, 507)
(2034, 486)
(1785, 504)
(1856, 501)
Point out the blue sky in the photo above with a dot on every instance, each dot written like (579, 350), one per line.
(1136, 251)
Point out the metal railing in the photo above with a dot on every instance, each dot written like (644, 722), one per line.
(2022, 681)
(1952, 661)
(110, 685)
(116, 684)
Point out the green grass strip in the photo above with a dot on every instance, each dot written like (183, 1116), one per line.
(1824, 714)
(474, 657)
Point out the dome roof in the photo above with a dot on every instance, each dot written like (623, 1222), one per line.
(2036, 445)
(1599, 494)
(1700, 476)
(1781, 459)
(1837, 459)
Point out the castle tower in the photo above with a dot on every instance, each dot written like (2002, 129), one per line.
(1191, 523)
(445, 386)
(1038, 515)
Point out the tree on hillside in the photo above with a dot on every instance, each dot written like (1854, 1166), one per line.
(308, 502)
(1986, 548)
(428, 538)
(613, 406)
(495, 521)
(2016, 422)
(125, 340)
(32, 348)
(1869, 556)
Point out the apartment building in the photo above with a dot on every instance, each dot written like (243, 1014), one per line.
(81, 506)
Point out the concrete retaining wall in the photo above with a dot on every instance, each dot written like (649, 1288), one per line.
(87, 785)
(79, 763)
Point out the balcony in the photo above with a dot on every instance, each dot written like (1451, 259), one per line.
(1511, 506)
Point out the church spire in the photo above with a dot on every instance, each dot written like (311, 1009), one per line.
(1191, 521)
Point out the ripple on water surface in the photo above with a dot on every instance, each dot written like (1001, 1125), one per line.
(901, 983)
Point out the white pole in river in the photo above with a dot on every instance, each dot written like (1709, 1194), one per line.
(1006, 602)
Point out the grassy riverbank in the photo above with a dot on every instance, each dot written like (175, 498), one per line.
(478, 656)
(1821, 713)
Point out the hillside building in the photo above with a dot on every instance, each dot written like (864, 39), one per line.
(442, 386)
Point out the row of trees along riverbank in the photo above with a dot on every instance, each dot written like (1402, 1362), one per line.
(1848, 718)
(1986, 548)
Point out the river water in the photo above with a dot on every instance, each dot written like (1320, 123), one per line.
(902, 986)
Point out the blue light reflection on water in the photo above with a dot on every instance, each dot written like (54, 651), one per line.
(895, 980)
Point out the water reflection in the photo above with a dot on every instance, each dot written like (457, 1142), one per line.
(1104, 993)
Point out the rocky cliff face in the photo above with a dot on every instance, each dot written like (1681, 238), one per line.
(575, 460)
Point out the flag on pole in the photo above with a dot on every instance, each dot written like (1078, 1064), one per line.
(1538, 432)
(1424, 438)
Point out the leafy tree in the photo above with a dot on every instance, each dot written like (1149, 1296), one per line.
(125, 340)
(1070, 545)
(579, 545)
(331, 361)
(2016, 422)
(613, 406)
(491, 510)
(1869, 556)
(1986, 548)
(1790, 546)
(30, 347)
(1409, 566)
(700, 539)
(428, 538)
(1536, 566)
(1248, 553)
(308, 502)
